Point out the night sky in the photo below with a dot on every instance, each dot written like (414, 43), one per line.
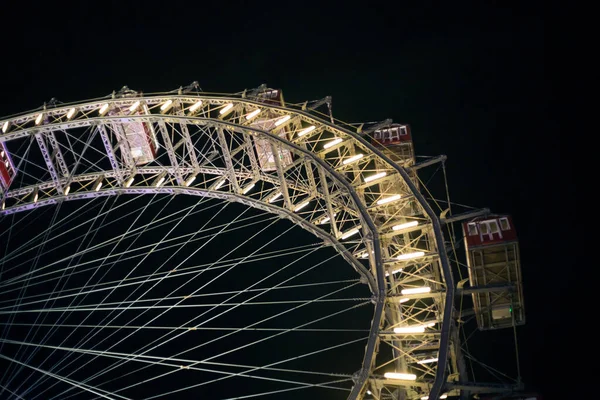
(470, 80)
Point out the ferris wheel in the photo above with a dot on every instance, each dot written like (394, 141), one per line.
(307, 257)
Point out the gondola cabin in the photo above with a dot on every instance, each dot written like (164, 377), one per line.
(141, 136)
(494, 271)
(266, 121)
(395, 141)
(7, 168)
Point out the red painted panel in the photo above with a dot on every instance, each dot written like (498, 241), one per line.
(396, 134)
(484, 234)
(5, 177)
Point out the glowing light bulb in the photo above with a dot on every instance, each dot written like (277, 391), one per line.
(388, 199)
(306, 130)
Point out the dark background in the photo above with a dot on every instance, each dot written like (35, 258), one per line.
(469, 78)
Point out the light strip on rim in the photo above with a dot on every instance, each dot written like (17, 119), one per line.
(306, 130)
(67, 190)
(70, 113)
(103, 109)
(253, 114)
(129, 181)
(352, 159)
(375, 176)
(5, 127)
(134, 106)
(417, 290)
(38, 119)
(332, 143)
(444, 396)
(404, 299)
(350, 233)
(166, 105)
(427, 360)
(226, 108)
(195, 106)
(400, 376)
(282, 120)
(301, 206)
(190, 180)
(221, 183)
(274, 197)
(388, 199)
(405, 225)
(409, 256)
(248, 188)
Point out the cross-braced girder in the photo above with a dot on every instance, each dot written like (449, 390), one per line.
(284, 160)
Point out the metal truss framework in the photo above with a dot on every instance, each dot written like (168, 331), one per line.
(326, 178)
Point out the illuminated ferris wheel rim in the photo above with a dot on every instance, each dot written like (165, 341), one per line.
(98, 112)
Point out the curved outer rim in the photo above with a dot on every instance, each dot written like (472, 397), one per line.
(378, 284)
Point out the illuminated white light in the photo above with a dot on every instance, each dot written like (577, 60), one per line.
(3, 205)
(369, 392)
(350, 233)
(190, 180)
(134, 106)
(195, 106)
(35, 197)
(136, 152)
(352, 159)
(2, 153)
(417, 290)
(410, 329)
(275, 197)
(301, 206)
(248, 188)
(394, 272)
(129, 181)
(253, 114)
(404, 299)
(332, 143)
(326, 219)
(444, 396)
(409, 256)
(427, 361)
(282, 120)
(5, 127)
(306, 130)
(38, 119)
(166, 105)
(400, 376)
(67, 190)
(221, 183)
(103, 109)
(226, 108)
(388, 199)
(160, 181)
(405, 225)
(70, 113)
(98, 185)
(375, 176)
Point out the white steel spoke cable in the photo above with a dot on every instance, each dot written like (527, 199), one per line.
(196, 290)
(107, 242)
(168, 274)
(147, 278)
(177, 362)
(7, 328)
(237, 330)
(231, 375)
(83, 386)
(98, 287)
(90, 336)
(97, 307)
(82, 242)
(11, 392)
(68, 219)
(119, 255)
(106, 272)
(187, 328)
